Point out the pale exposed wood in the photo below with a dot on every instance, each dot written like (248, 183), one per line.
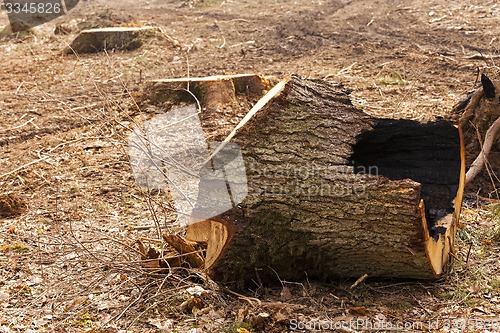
(457, 202)
(219, 236)
(184, 247)
(211, 232)
(260, 104)
(198, 231)
(438, 250)
(358, 281)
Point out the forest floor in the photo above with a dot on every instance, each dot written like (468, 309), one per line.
(70, 261)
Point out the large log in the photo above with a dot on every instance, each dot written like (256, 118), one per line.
(333, 192)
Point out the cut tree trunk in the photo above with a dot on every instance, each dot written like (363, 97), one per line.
(333, 192)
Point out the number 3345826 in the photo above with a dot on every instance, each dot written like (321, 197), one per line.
(33, 8)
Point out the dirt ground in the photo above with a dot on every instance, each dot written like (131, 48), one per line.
(69, 260)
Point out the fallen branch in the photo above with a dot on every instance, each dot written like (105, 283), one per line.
(478, 163)
(471, 106)
(275, 229)
(186, 248)
(358, 281)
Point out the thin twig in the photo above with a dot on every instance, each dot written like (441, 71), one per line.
(24, 166)
(22, 125)
(471, 106)
(468, 255)
(358, 281)
(43, 158)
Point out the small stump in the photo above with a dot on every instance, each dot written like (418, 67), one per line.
(11, 205)
(118, 38)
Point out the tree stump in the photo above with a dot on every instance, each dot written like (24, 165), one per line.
(119, 38)
(11, 205)
(333, 192)
(224, 99)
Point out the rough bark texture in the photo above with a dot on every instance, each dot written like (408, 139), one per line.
(311, 213)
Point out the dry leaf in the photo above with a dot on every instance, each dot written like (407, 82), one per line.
(281, 317)
(163, 325)
(358, 311)
(196, 291)
(474, 289)
(259, 320)
(191, 305)
(242, 330)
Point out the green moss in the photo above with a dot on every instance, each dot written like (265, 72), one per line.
(268, 243)
(494, 215)
(400, 305)
(297, 108)
(83, 320)
(392, 78)
(161, 96)
(19, 247)
(205, 3)
(75, 189)
(200, 92)
(495, 284)
(25, 290)
(101, 207)
(495, 212)
(233, 327)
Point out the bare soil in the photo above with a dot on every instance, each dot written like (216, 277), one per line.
(69, 258)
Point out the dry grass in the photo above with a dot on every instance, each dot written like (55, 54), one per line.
(70, 262)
